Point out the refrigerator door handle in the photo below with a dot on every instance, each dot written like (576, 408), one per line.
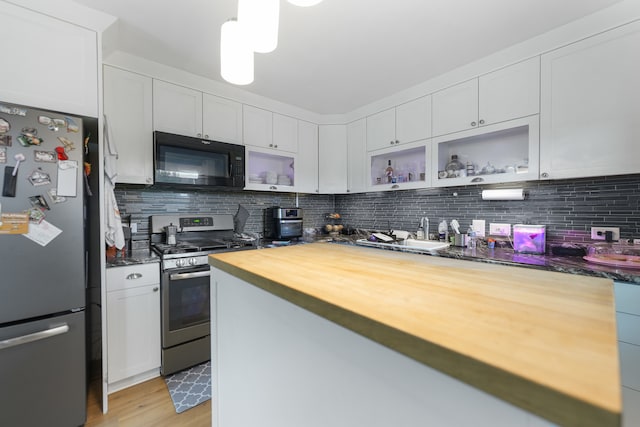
(36, 336)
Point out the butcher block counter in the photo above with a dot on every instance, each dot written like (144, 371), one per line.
(542, 341)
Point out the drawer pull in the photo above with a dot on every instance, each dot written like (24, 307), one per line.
(134, 276)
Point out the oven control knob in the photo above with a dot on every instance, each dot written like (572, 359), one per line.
(181, 262)
(192, 261)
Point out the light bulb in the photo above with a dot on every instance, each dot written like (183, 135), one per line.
(260, 19)
(304, 3)
(236, 56)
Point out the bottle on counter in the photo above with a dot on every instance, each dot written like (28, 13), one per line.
(471, 239)
(442, 231)
(388, 172)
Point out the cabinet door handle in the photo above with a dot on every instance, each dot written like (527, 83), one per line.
(394, 186)
(478, 179)
(544, 175)
(391, 142)
(134, 276)
(199, 135)
(473, 123)
(481, 121)
(275, 146)
(273, 187)
(206, 136)
(155, 289)
(270, 145)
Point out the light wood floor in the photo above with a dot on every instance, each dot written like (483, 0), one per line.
(145, 404)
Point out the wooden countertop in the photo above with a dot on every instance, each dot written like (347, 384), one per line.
(543, 341)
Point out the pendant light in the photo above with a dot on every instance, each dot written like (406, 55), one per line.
(304, 3)
(236, 56)
(260, 20)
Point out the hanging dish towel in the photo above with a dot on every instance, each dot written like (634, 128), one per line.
(114, 235)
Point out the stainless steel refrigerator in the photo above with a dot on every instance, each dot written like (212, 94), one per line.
(42, 272)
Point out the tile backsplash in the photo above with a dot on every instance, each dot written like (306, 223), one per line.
(140, 203)
(569, 208)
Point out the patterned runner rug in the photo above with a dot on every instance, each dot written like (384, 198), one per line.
(190, 387)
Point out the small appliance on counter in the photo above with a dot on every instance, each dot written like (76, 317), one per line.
(282, 223)
(529, 239)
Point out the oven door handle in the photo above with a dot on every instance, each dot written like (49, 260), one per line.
(185, 276)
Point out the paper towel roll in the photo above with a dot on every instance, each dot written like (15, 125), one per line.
(503, 194)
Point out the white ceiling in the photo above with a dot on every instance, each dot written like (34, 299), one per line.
(341, 54)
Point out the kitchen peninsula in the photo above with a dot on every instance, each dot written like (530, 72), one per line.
(327, 334)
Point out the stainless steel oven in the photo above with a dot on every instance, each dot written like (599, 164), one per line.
(185, 283)
(185, 317)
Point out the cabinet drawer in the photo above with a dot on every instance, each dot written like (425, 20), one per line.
(630, 407)
(630, 365)
(628, 328)
(132, 276)
(627, 298)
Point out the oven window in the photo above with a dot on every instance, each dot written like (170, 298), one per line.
(188, 302)
(177, 164)
(290, 228)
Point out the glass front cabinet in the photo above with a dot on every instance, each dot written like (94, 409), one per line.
(269, 170)
(504, 152)
(400, 168)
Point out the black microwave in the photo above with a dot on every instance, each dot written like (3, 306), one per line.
(200, 163)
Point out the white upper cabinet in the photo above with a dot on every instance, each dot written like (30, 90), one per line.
(509, 93)
(502, 152)
(307, 163)
(177, 109)
(262, 128)
(381, 130)
(257, 126)
(590, 112)
(356, 156)
(285, 133)
(332, 159)
(128, 107)
(400, 125)
(413, 120)
(221, 119)
(185, 111)
(47, 62)
(456, 108)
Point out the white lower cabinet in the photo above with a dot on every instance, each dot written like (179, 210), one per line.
(631, 405)
(628, 319)
(133, 324)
